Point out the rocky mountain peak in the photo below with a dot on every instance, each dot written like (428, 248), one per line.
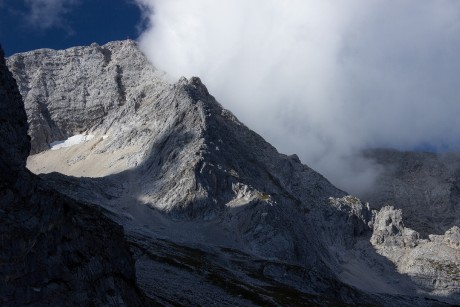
(202, 197)
(196, 89)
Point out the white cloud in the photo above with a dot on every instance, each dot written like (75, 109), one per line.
(321, 78)
(45, 14)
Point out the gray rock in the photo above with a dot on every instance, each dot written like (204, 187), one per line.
(53, 250)
(65, 95)
(433, 264)
(203, 199)
(389, 229)
(452, 237)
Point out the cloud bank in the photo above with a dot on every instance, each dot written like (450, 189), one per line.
(324, 79)
(45, 14)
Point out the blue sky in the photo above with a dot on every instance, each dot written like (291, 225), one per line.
(31, 24)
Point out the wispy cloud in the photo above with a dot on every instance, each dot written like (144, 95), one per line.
(46, 14)
(321, 78)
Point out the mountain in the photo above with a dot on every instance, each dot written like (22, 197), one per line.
(212, 213)
(54, 249)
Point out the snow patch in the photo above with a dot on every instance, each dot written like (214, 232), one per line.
(73, 140)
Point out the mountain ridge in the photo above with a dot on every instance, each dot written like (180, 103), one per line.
(181, 173)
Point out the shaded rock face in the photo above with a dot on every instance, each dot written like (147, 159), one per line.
(426, 186)
(57, 251)
(360, 213)
(54, 250)
(203, 199)
(15, 144)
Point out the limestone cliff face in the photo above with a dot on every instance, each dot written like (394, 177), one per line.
(53, 250)
(203, 199)
(66, 93)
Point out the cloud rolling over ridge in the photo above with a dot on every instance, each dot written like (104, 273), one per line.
(321, 78)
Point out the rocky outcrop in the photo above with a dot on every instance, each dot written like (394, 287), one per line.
(54, 250)
(452, 237)
(360, 213)
(389, 229)
(434, 263)
(426, 186)
(201, 197)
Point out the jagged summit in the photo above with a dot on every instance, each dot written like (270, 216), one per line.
(202, 197)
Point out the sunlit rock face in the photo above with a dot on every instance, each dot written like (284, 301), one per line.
(211, 211)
